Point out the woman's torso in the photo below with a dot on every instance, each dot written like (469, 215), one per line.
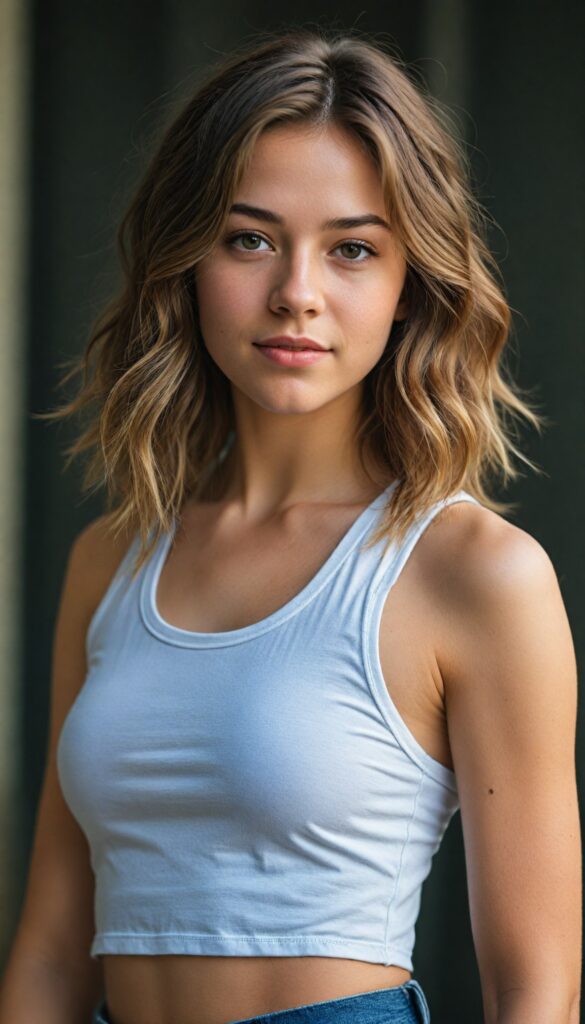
(243, 576)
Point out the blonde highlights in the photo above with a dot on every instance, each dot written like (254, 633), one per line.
(438, 408)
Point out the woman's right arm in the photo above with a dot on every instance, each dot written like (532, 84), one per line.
(50, 977)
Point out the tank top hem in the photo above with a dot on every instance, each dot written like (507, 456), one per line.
(193, 944)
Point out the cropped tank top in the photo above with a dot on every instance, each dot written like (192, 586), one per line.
(254, 792)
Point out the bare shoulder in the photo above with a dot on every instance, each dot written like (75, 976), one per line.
(94, 556)
(97, 539)
(479, 561)
(495, 592)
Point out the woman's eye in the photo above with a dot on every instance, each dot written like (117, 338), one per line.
(247, 235)
(358, 245)
(351, 247)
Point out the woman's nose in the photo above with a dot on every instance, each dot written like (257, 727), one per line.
(297, 289)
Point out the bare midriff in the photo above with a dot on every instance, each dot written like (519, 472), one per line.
(220, 989)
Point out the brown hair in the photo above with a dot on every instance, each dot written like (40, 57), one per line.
(437, 410)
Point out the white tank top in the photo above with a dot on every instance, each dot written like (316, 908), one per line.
(255, 792)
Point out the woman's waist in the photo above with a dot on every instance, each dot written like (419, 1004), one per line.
(179, 989)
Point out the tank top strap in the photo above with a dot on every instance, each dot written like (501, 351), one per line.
(387, 567)
(395, 555)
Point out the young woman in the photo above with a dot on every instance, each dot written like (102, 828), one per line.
(303, 635)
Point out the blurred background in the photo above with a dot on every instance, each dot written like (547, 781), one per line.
(83, 88)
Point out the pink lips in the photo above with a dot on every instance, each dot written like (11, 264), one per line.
(287, 340)
(303, 352)
(290, 357)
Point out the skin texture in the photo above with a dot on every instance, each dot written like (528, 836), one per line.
(293, 436)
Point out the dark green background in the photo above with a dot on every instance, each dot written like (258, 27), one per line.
(104, 75)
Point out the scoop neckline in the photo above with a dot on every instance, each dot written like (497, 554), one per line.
(168, 633)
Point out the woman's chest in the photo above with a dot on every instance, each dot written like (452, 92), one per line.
(225, 588)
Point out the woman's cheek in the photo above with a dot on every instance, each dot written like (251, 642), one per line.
(228, 296)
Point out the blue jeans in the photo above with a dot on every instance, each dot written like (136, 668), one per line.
(402, 1004)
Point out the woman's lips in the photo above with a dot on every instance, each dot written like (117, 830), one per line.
(292, 357)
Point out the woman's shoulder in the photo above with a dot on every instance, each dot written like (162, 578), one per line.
(94, 556)
(477, 560)
(495, 594)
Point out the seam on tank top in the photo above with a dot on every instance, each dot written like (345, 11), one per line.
(370, 606)
(418, 528)
(402, 850)
(145, 596)
(369, 672)
(238, 937)
(449, 781)
(333, 942)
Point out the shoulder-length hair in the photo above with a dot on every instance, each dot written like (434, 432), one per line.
(437, 411)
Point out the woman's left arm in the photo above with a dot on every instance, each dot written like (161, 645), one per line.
(510, 684)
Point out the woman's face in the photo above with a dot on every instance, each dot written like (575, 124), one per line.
(280, 269)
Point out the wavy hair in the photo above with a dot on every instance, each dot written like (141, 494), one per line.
(438, 408)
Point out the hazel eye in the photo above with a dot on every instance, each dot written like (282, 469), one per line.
(356, 246)
(247, 235)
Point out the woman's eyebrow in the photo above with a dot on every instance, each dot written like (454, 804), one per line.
(338, 224)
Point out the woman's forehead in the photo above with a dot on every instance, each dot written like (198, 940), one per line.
(324, 170)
